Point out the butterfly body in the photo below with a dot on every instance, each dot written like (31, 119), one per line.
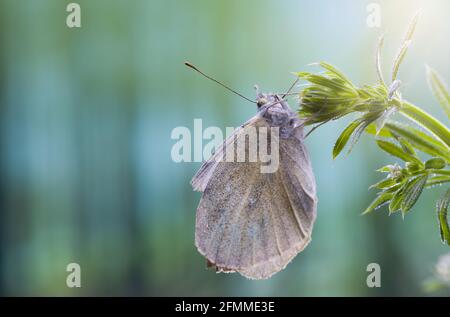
(255, 222)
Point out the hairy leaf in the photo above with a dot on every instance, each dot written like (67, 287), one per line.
(412, 191)
(406, 146)
(383, 184)
(336, 72)
(378, 61)
(397, 151)
(439, 90)
(396, 201)
(378, 202)
(383, 132)
(404, 48)
(344, 137)
(385, 169)
(441, 207)
(437, 180)
(419, 139)
(399, 58)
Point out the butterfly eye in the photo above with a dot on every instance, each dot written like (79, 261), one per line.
(261, 102)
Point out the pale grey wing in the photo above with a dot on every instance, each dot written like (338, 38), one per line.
(298, 178)
(201, 178)
(251, 222)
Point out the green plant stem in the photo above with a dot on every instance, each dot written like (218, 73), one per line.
(426, 121)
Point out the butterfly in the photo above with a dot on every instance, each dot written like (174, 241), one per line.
(251, 222)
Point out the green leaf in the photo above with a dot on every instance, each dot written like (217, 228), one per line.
(393, 189)
(435, 162)
(441, 172)
(378, 202)
(439, 90)
(397, 151)
(378, 61)
(441, 207)
(383, 184)
(399, 58)
(383, 132)
(386, 169)
(419, 139)
(437, 180)
(413, 167)
(406, 146)
(404, 48)
(332, 84)
(412, 191)
(336, 72)
(396, 201)
(344, 137)
(426, 121)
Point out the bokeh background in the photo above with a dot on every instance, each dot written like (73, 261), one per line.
(86, 117)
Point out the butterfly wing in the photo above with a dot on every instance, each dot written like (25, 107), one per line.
(201, 178)
(252, 222)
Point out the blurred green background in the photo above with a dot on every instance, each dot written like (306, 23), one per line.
(86, 117)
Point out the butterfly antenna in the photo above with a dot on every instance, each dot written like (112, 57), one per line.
(188, 64)
(290, 88)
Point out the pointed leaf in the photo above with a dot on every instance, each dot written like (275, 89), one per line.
(439, 90)
(404, 48)
(399, 59)
(406, 146)
(386, 169)
(397, 151)
(336, 71)
(378, 61)
(412, 191)
(385, 183)
(396, 201)
(344, 137)
(419, 139)
(437, 180)
(441, 207)
(383, 132)
(378, 202)
(393, 189)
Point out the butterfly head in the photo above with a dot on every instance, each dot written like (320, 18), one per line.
(265, 100)
(277, 113)
(261, 102)
(261, 98)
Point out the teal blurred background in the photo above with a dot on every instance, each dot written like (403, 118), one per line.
(86, 118)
